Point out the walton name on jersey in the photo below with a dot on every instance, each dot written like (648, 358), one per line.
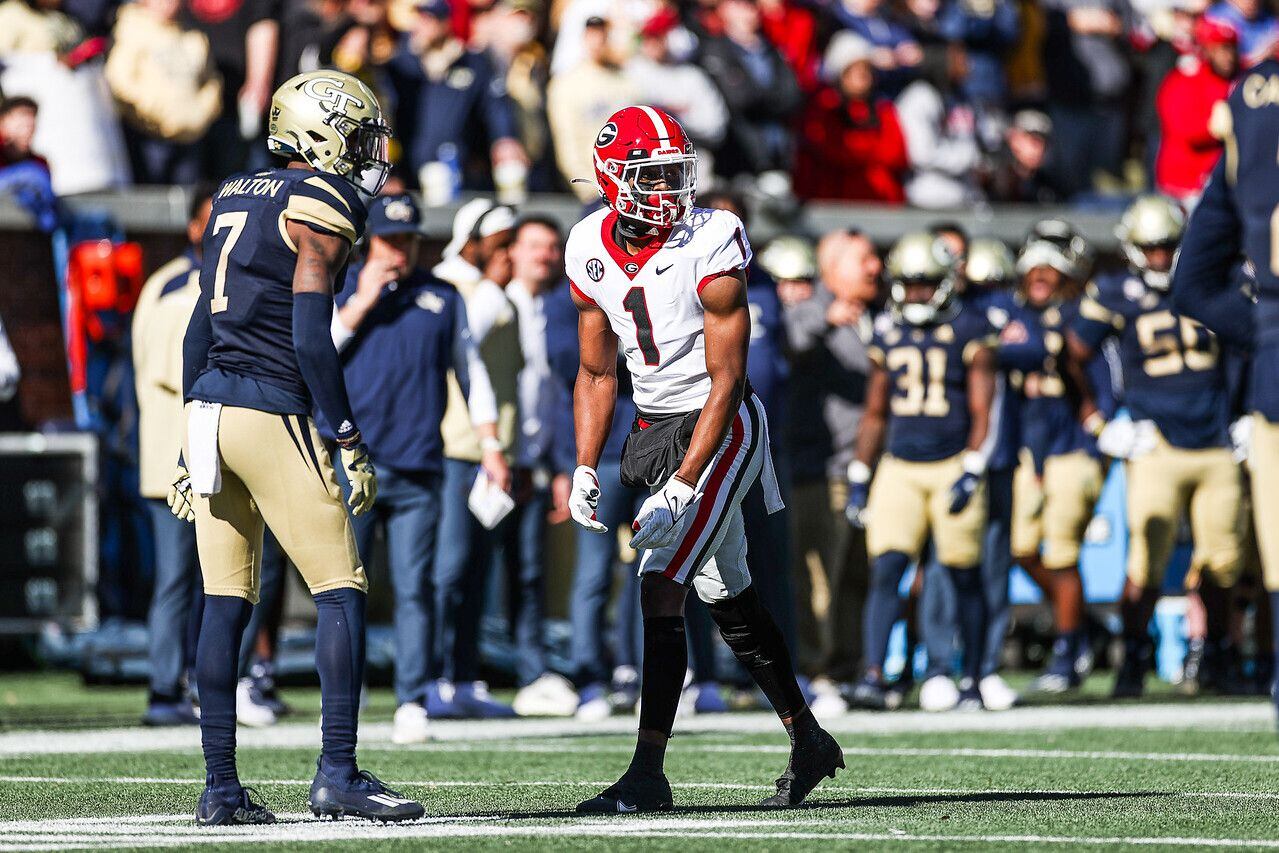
(251, 186)
(652, 301)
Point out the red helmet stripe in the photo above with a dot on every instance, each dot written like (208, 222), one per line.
(663, 133)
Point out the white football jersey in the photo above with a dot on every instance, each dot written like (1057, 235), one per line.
(652, 299)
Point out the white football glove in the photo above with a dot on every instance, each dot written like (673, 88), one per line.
(584, 497)
(1126, 439)
(362, 477)
(1241, 438)
(658, 519)
(180, 495)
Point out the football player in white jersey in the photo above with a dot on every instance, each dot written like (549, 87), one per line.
(667, 283)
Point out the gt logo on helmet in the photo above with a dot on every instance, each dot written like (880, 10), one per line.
(328, 91)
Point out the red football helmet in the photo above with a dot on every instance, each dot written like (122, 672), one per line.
(645, 166)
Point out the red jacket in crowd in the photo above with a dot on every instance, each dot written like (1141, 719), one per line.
(1187, 148)
(851, 151)
(793, 30)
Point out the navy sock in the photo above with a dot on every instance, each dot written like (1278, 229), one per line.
(339, 659)
(970, 607)
(1274, 621)
(882, 605)
(217, 656)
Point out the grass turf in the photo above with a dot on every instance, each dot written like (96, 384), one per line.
(919, 791)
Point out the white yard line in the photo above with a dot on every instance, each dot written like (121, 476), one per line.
(480, 734)
(173, 830)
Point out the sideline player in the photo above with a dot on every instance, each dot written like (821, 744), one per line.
(1177, 444)
(929, 402)
(257, 354)
(667, 283)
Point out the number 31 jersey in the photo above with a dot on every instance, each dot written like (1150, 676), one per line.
(653, 300)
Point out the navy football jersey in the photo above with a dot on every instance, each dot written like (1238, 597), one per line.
(928, 382)
(1173, 373)
(1049, 415)
(1237, 214)
(246, 282)
(998, 306)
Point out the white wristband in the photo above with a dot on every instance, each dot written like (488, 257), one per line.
(491, 443)
(974, 462)
(858, 472)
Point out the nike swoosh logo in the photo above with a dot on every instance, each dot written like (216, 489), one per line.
(623, 807)
(661, 270)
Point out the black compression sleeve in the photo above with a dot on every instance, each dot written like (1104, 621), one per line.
(319, 364)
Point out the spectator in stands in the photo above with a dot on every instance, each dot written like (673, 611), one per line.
(1018, 172)
(623, 20)
(400, 331)
(940, 127)
(987, 29)
(759, 88)
(244, 36)
(18, 131)
(1187, 101)
(829, 368)
(1254, 21)
(894, 51)
(310, 31)
(1088, 75)
(793, 28)
(366, 40)
(661, 79)
(24, 174)
(537, 267)
(445, 95)
(526, 69)
(578, 102)
(477, 262)
(28, 26)
(159, 325)
(166, 88)
(851, 145)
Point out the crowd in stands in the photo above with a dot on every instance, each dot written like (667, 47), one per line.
(934, 103)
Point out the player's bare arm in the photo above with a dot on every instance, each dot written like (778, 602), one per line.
(981, 396)
(320, 258)
(874, 422)
(728, 332)
(595, 392)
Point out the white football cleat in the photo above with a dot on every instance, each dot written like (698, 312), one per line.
(938, 693)
(410, 724)
(996, 695)
(550, 695)
(828, 700)
(249, 708)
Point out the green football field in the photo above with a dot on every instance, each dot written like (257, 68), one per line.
(75, 774)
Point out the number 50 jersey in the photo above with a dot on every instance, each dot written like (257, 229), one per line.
(652, 299)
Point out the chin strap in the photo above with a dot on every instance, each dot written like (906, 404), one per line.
(634, 230)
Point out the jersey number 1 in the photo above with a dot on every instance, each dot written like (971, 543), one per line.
(235, 222)
(637, 306)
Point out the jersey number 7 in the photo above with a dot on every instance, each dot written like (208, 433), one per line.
(234, 221)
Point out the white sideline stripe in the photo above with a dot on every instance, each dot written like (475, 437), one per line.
(1254, 716)
(827, 787)
(174, 830)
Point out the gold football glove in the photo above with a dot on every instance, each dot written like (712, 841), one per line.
(359, 470)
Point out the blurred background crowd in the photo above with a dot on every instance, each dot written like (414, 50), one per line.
(932, 103)
(940, 104)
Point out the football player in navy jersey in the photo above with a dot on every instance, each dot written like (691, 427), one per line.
(1059, 476)
(1235, 216)
(257, 357)
(1177, 443)
(928, 404)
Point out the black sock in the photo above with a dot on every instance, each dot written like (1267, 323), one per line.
(970, 607)
(339, 659)
(665, 662)
(1274, 621)
(216, 666)
(752, 634)
(649, 756)
(882, 605)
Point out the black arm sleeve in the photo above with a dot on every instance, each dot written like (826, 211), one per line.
(195, 345)
(319, 364)
(1202, 284)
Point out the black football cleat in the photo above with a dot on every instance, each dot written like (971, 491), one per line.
(814, 758)
(1130, 682)
(635, 792)
(365, 797)
(219, 808)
